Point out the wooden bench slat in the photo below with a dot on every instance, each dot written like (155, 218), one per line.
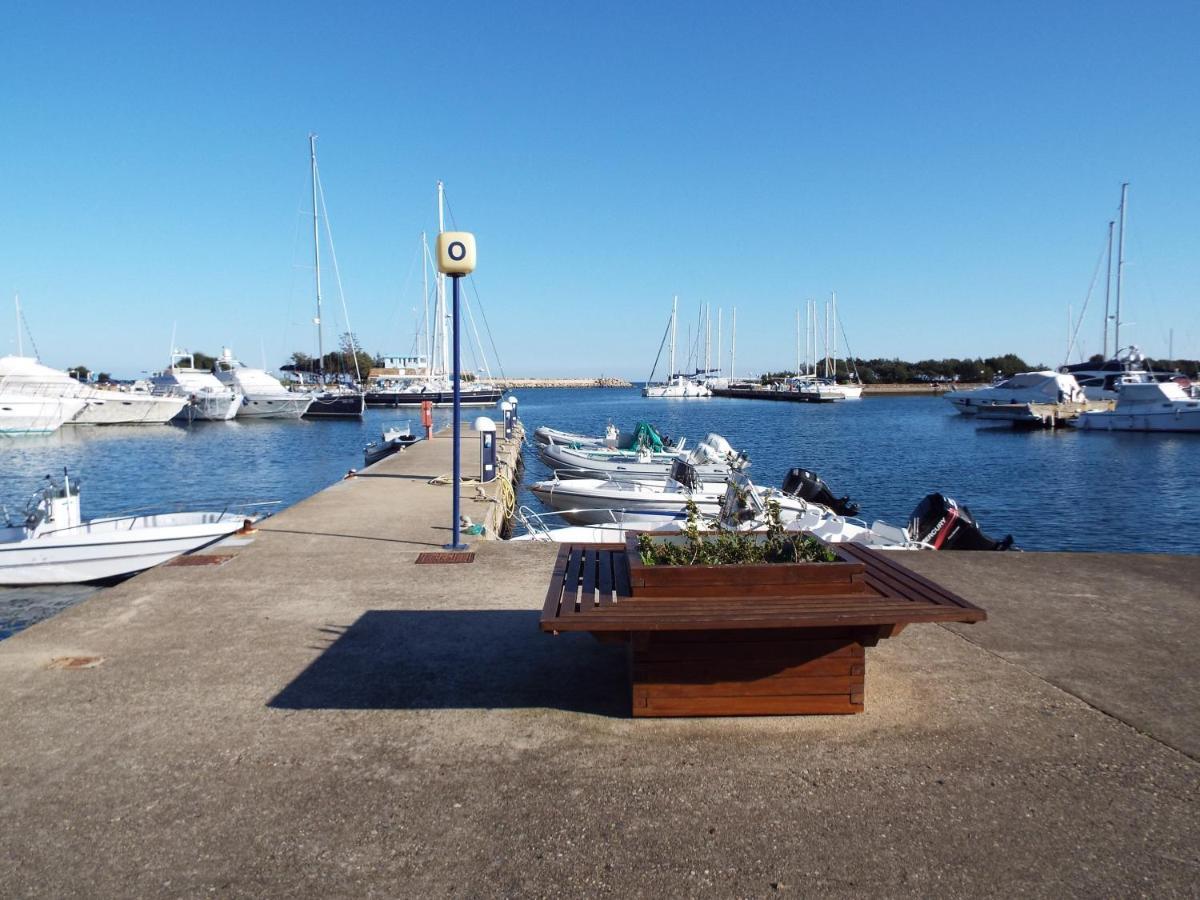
(605, 585)
(587, 592)
(877, 560)
(571, 580)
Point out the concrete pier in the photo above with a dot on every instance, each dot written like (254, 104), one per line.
(316, 714)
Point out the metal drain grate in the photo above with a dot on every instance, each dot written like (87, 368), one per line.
(438, 558)
(206, 559)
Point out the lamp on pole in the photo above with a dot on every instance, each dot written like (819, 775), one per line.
(456, 258)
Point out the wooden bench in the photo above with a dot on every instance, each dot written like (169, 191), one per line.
(779, 651)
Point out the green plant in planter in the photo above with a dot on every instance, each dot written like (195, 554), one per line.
(729, 547)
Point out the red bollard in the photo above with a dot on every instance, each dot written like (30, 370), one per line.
(427, 418)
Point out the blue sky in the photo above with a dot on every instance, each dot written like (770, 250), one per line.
(948, 168)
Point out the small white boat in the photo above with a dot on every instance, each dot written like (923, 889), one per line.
(1146, 406)
(265, 396)
(54, 545)
(1023, 388)
(211, 401)
(392, 439)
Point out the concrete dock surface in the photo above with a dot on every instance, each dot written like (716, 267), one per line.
(318, 715)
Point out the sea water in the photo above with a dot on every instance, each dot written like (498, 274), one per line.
(1052, 490)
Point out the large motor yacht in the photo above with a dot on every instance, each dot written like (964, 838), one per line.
(1024, 387)
(210, 400)
(265, 396)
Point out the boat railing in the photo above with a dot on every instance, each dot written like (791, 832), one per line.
(234, 507)
(534, 522)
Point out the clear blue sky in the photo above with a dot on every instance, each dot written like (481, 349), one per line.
(948, 168)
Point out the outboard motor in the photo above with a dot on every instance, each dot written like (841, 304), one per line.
(808, 486)
(939, 521)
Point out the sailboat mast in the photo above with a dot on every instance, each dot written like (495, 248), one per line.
(674, 309)
(441, 285)
(1107, 288)
(312, 153)
(719, 347)
(733, 348)
(797, 340)
(834, 326)
(425, 301)
(1120, 268)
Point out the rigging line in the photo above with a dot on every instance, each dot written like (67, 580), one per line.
(338, 277)
(487, 328)
(24, 321)
(1087, 298)
(850, 360)
(661, 344)
(475, 359)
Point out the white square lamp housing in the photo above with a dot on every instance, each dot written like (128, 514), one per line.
(456, 252)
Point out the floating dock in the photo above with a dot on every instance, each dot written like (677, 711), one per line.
(329, 711)
(1039, 415)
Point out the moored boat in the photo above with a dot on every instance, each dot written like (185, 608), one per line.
(1146, 406)
(55, 545)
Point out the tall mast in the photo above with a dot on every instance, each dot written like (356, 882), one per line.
(1107, 288)
(312, 153)
(674, 307)
(733, 347)
(1120, 268)
(719, 347)
(834, 327)
(425, 300)
(707, 338)
(441, 284)
(797, 340)
(826, 338)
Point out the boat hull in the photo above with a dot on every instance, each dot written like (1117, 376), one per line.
(1187, 421)
(36, 415)
(266, 406)
(398, 399)
(129, 409)
(339, 406)
(110, 548)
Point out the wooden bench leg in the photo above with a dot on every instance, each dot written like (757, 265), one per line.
(749, 672)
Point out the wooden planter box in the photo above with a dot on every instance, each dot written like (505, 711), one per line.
(806, 579)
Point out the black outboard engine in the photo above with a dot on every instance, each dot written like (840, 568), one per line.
(941, 522)
(808, 486)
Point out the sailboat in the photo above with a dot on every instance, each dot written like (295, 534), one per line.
(436, 385)
(677, 384)
(329, 399)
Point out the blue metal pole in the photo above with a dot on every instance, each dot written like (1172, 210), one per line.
(456, 541)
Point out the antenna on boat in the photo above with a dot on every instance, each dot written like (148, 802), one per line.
(1120, 266)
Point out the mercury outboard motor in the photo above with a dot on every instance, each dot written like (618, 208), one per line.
(941, 522)
(808, 486)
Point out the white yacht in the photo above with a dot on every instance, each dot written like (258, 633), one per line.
(265, 396)
(30, 403)
(1025, 387)
(210, 400)
(1104, 380)
(1146, 406)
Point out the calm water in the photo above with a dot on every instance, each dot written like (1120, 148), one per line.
(1058, 490)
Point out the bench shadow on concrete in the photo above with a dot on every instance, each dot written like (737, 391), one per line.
(460, 659)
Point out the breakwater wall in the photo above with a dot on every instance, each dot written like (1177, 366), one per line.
(564, 383)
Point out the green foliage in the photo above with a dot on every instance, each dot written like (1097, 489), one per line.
(729, 547)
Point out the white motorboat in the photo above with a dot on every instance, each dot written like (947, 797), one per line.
(1146, 406)
(1023, 388)
(713, 459)
(54, 545)
(209, 399)
(644, 435)
(391, 439)
(265, 396)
